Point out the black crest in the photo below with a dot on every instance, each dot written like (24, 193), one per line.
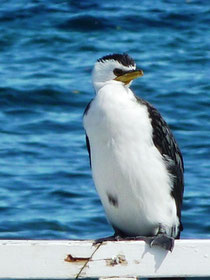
(124, 59)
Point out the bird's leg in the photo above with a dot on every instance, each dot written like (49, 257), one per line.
(162, 240)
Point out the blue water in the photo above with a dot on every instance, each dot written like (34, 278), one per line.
(47, 51)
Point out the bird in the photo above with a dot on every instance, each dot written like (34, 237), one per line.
(136, 163)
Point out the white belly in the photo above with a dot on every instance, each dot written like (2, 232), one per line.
(128, 170)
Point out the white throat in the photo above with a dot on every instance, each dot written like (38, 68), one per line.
(113, 83)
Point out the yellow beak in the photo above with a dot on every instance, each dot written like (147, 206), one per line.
(129, 76)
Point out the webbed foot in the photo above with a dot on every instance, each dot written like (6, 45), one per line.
(162, 240)
(138, 237)
(108, 238)
(117, 237)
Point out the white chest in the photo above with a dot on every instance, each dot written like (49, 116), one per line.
(129, 173)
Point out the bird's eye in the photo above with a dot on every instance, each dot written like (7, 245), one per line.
(118, 72)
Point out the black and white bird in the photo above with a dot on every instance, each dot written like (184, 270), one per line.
(136, 163)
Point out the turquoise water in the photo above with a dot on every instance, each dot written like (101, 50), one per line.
(48, 49)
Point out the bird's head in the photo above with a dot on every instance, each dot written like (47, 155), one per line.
(115, 67)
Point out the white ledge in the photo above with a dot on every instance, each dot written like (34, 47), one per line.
(67, 259)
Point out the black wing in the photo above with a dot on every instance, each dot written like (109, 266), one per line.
(167, 146)
(87, 140)
(88, 148)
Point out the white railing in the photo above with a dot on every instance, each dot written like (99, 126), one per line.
(54, 259)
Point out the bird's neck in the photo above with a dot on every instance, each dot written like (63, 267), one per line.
(114, 94)
(99, 85)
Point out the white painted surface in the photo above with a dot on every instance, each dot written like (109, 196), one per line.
(48, 259)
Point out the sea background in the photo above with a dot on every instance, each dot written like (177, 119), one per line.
(47, 51)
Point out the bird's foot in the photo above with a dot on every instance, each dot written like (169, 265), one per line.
(117, 237)
(138, 237)
(108, 238)
(162, 240)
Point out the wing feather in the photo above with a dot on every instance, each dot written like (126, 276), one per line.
(87, 139)
(166, 144)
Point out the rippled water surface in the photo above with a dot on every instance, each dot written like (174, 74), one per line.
(48, 49)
